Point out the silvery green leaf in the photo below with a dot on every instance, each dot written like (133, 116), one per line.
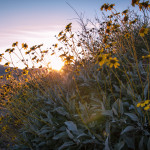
(132, 116)
(82, 135)
(42, 143)
(127, 129)
(117, 89)
(43, 132)
(141, 67)
(121, 107)
(108, 113)
(145, 51)
(141, 142)
(129, 141)
(130, 91)
(71, 126)
(114, 111)
(103, 108)
(107, 127)
(146, 91)
(65, 145)
(91, 141)
(146, 132)
(131, 107)
(148, 144)
(119, 145)
(61, 111)
(69, 134)
(59, 136)
(106, 145)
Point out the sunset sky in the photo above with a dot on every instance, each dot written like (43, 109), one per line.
(37, 21)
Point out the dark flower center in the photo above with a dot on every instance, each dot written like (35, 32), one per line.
(113, 61)
(100, 58)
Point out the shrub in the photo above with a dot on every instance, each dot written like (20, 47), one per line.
(100, 101)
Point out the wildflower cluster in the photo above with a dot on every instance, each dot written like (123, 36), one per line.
(142, 5)
(143, 31)
(108, 60)
(107, 6)
(145, 104)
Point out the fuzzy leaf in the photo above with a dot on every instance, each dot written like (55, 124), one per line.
(132, 116)
(69, 134)
(42, 143)
(91, 141)
(103, 108)
(121, 106)
(141, 143)
(106, 145)
(44, 131)
(108, 113)
(119, 145)
(61, 111)
(65, 145)
(146, 91)
(129, 141)
(127, 129)
(59, 136)
(148, 144)
(114, 111)
(141, 67)
(130, 91)
(82, 135)
(117, 89)
(71, 126)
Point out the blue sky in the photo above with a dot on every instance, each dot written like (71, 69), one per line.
(37, 21)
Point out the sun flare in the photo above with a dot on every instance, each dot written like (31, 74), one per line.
(56, 63)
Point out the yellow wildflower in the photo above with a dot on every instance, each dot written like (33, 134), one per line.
(113, 62)
(11, 50)
(25, 72)
(138, 105)
(107, 31)
(101, 59)
(147, 107)
(147, 56)
(107, 6)
(125, 12)
(24, 45)
(4, 128)
(60, 33)
(6, 64)
(143, 31)
(144, 4)
(68, 59)
(7, 70)
(132, 22)
(135, 2)
(8, 76)
(15, 44)
(26, 80)
(109, 23)
(127, 35)
(147, 101)
(143, 104)
(125, 19)
(55, 46)
(1, 77)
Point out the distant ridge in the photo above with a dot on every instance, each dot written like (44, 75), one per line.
(2, 70)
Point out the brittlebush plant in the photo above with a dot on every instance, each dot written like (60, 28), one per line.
(101, 100)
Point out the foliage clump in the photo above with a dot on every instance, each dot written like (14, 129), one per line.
(100, 99)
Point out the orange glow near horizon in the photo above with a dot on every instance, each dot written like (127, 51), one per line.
(56, 63)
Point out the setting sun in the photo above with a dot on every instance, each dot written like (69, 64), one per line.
(56, 63)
